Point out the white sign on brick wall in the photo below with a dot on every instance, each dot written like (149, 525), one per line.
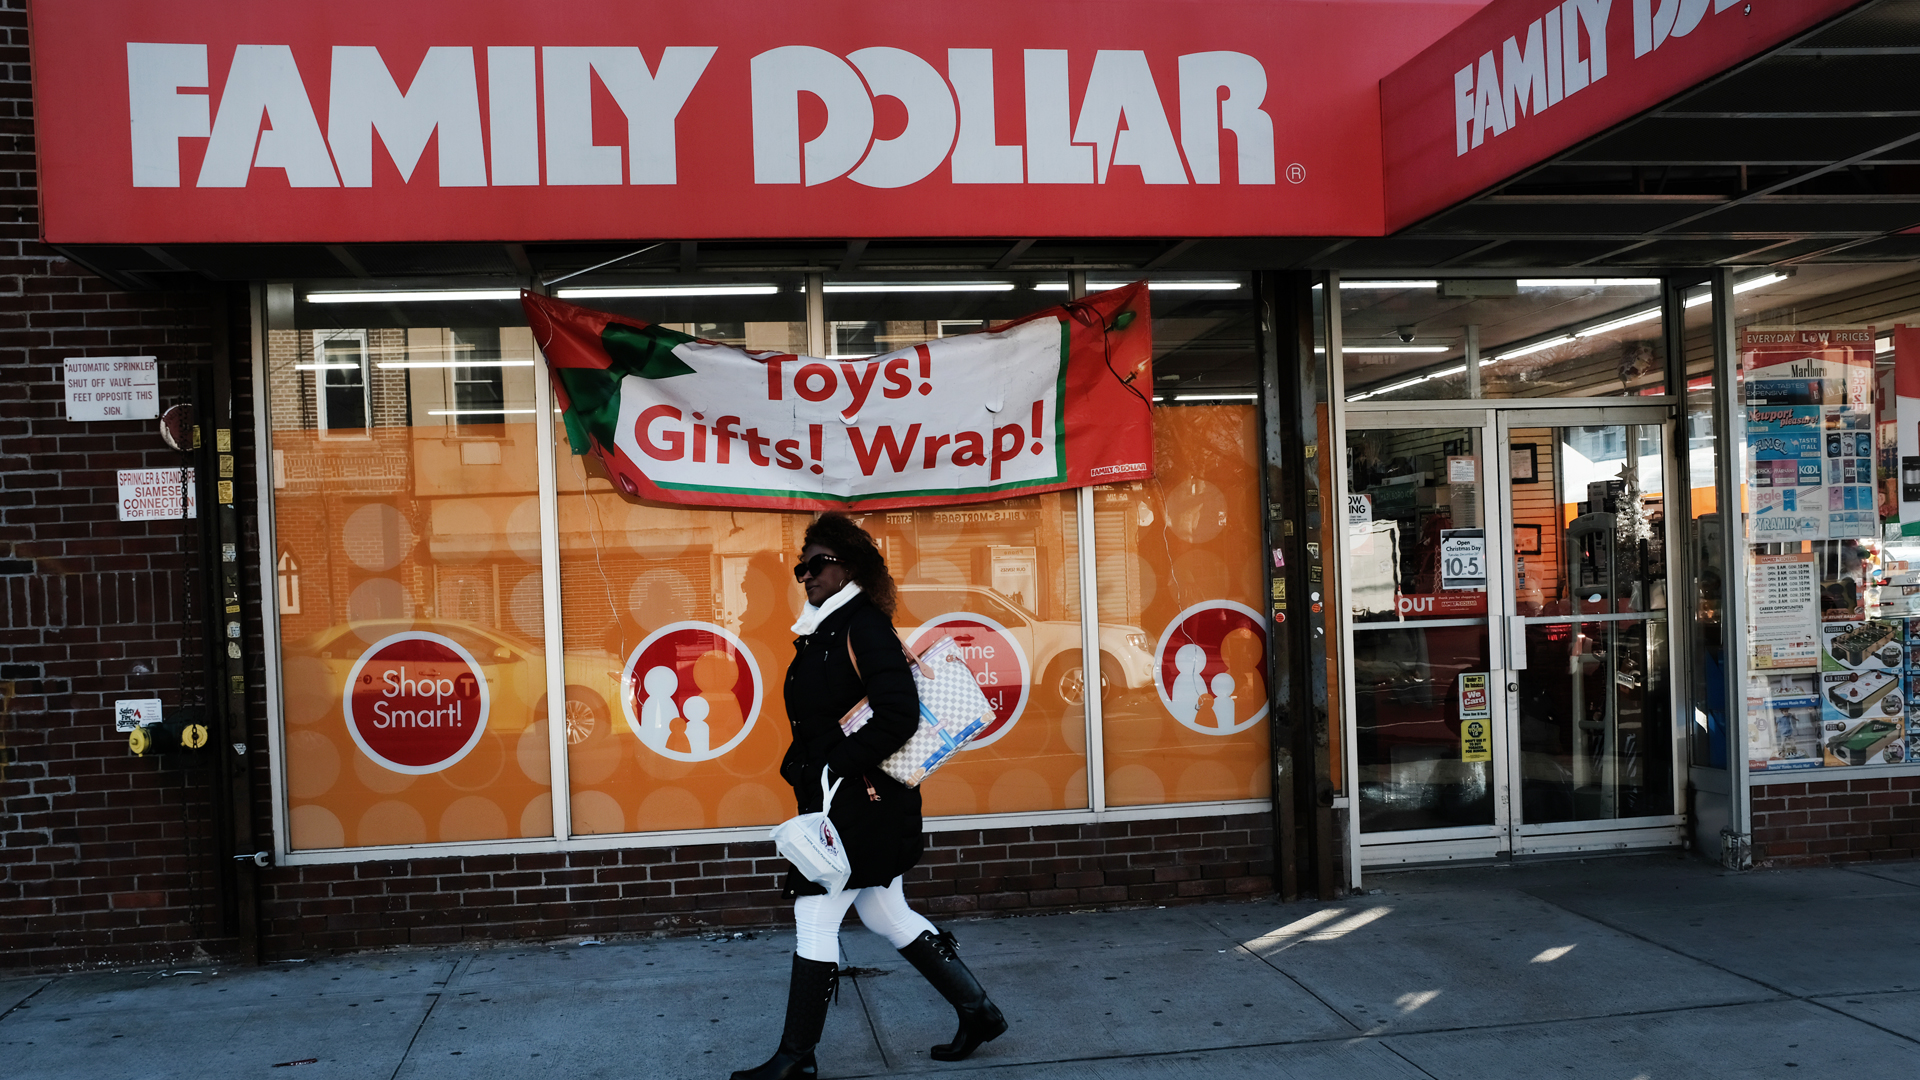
(154, 494)
(129, 713)
(113, 387)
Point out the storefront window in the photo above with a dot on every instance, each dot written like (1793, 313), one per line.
(1181, 578)
(407, 519)
(1831, 572)
(1001, 578)
(415, 596)
(1406, 340)
(676, 618)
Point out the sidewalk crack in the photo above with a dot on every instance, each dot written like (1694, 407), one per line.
(1782, 991)
(873, 1029)
(1282, 972)
(445, 985)
(24, 1000)
(1863, 872)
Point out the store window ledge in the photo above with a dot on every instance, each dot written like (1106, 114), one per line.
(752, 833)
(1832, 773)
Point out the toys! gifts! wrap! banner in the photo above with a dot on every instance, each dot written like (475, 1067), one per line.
(1058, 399)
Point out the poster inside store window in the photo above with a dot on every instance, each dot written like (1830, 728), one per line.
(1828, 637)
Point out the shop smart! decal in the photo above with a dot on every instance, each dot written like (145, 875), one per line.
(1056, 400)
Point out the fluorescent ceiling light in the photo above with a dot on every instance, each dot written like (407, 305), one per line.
(1537, 346)
(433, 296)
(606, 291)
(1391, 349)
(480, 412)
(1161, 286)
(1584, 283)
(1398, 386)
(452, 363)
(1444, 372)
(1214, 397)
(1622, 322)
(1748, 285)
(328, 367)
(1755, 283)
(932, 287)
(1345, 285)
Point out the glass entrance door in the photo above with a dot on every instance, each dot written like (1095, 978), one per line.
(1506, 583)
(1595, 762)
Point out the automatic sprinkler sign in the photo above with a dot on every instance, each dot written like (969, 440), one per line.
(416, 702)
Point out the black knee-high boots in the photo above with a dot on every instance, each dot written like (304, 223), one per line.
(934, 956)
(807, 997)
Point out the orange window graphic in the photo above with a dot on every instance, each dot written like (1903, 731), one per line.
(413, 674)
(1180, 594)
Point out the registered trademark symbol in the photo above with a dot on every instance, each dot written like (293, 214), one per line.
(1296, 173)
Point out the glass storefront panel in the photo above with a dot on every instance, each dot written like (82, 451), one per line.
(1406, 340)
(405, 484)
(1183, 637)
(1001, 578)
(1183, 643)
(1588, 508)
(408, 514)
(1706, 539)
(1407, 727)
(1401, 501)
(675, 618)
(1831, 564)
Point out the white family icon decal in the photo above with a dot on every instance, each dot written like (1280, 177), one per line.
(691, 709)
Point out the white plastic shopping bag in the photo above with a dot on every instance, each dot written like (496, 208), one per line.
(812, 844)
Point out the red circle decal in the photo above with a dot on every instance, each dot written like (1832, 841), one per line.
(1210, 668)
(999, 665)
(416, 702)
(691, 691)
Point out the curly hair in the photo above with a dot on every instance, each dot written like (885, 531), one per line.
(856, 548)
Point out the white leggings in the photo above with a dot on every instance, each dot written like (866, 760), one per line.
(817, 920)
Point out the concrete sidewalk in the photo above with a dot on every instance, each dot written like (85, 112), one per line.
(1611, 969)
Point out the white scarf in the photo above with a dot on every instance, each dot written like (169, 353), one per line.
(811, 617)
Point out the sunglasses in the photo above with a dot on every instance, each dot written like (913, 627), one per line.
(812, 567)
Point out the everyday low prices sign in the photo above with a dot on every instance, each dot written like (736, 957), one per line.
(1056, 400)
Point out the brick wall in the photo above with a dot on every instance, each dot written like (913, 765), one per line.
(318, 909)
(1836, 821)
(109, 853)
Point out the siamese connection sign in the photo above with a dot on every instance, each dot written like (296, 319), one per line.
(1056, 400)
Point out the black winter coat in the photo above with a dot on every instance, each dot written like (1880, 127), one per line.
(878, 818)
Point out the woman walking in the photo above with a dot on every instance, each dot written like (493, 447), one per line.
(849, 618)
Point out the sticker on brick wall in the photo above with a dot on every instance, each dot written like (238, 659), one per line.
(130, 713)
(416, 702)
(691, 691)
